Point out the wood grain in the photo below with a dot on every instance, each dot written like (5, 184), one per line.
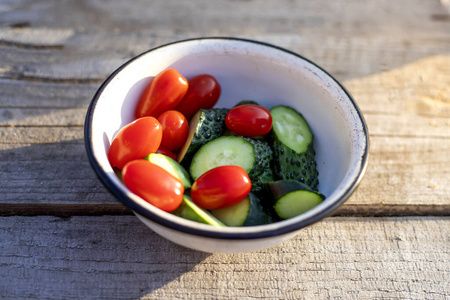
(64, 236)
(59, 173)
(114, 257)
(408, 170)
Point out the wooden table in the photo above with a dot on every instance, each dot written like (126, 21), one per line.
(62, 235)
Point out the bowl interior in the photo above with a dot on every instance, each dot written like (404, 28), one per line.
(245, 70)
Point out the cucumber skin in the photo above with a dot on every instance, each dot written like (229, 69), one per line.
(190, 211)
(262, 168)
(255, 215)
(209, 127)
(258, 213)
(280, 188)
(288, 164)
(244, 102)
(173, 166)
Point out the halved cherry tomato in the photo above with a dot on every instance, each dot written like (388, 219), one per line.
(153, 184)
(249, 120)
(221, 187)
(203, 92)
(164, 92)
(166, 152)
(134, 141)
(175, 129)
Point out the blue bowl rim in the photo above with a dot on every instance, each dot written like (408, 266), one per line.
(282, 230)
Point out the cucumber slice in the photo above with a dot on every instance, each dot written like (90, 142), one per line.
(189, 210)
(291, 198)
(296, 203)
(254, 156)
(259, 214)
(291, 128)
(292, 143)
(281, 187)
(234, 215)
(228, 132)
(248, 212)
(171, 166)
(261, 171)
(206, 125)
(226, 150)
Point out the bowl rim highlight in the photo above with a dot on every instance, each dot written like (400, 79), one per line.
(231, 233)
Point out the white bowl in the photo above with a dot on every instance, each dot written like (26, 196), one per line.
(245, 69)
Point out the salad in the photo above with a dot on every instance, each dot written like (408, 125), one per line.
(239, 166)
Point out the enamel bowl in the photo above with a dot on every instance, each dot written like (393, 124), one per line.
(245, 69)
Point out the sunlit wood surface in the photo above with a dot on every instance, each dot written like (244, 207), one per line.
(63, 236)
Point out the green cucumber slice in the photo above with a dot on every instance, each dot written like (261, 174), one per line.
(234, 215)
(254, 156)
(281, 187)
(226, 150)
(261, 171)
(291, 198)
(248, 212)
(189, 210)
(291, 128)
(171, 166)
(259, 214)
(206, 125)
(296, 203)
(292, 143)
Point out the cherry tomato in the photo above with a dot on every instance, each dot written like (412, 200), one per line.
(153, 184)
(175, 129)
(249, 120)
(166, 152)
(221, 187)
(203, 92)
(164, 92)
(134, 141)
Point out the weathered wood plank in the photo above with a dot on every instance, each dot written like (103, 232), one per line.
(392, 55)
(40, 134)
(395, 125)
(113, 257)
(52, 179)
(36, 37)
(361, 18)
(406, 176)
(407, 125)
(419, 89)
(407, 171)
(363, 44)
(45, 94)
(345, 57)
(33, 116)
(392, 101)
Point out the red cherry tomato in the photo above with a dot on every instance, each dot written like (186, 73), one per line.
(134, 141)
(249, 120)
(166, 152)
(175, 129)
(164, 92)
(221, 187)
(153, 184)
(203, 92)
